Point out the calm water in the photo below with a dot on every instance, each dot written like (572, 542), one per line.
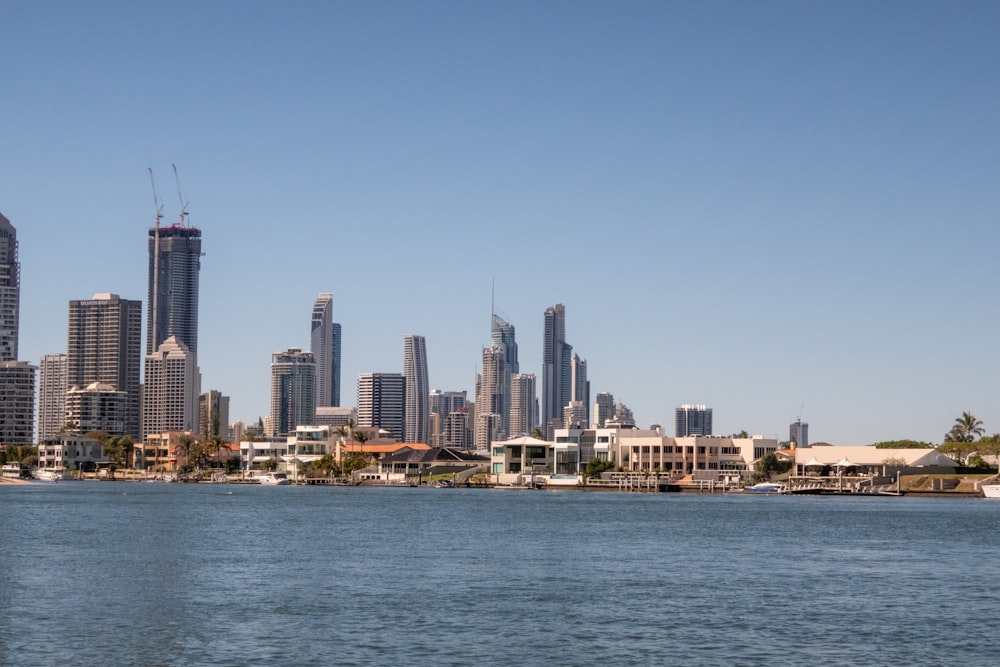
(153, 574)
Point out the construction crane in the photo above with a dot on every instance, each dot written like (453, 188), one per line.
(156, 258)
(180, 198)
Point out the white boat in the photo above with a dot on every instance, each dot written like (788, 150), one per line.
(991, 490)
(50, 475)
(768, 487)
(274, 479)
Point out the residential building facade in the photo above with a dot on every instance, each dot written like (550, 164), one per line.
(170, 393)
(293, 391)
(382, 402)
(52, 387)
(98, 407)
(523, 404)
(17, 395)
(325, 347)
(10, 291)
(103, 345)
(172, 301)
(692, 420)
(213, 415)
(417, 411)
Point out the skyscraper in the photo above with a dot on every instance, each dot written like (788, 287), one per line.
(502, 337)
(52, 388)
(174, 266)
(293, 391)
(557, 359)
(798, 432)
(580, 387)
(490, 400)
(381, 402)
(10, 291)
(97, 407)
(418, 409)
(692, 420)
(604, 409)
(337, 339)
(213, 414)
(325, 347)
(17, 396)
(103, 344)
(523, 404)
(170, 392)
(452, 413)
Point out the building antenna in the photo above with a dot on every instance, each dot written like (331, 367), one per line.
(156, 258)
(180, 198)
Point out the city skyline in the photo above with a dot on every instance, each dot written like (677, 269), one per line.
(780, 181)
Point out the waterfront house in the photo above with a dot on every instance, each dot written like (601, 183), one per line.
(70, 451)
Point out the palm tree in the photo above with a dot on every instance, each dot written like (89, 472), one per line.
(966, 429)
(127, 448)
(187, 448)
(361, 438)
(214, 446)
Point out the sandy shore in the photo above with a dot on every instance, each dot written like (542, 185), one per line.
(11, 480)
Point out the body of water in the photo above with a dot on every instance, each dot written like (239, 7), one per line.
(173, 574)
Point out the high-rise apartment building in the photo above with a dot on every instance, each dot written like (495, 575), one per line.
(580, 387)
(103, 345)
(293, 391)
(624, 416)
(798, 432)
(692, 420)
(213, 415)
(575, 415)
(523, 404)
(450, 419)
(417, 412)
(174, 267)
(556, 380)
(335, 388)
(502, 337)
(17, 396)
(325, 346)
(52, 387)
(382, 401)
(171, 388)
(97, 407)
(10, 291)
(490, 400)
(604, 409)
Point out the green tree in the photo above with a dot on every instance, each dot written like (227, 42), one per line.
(903, 444)
(232, 466)
(354, 461)
(127, 448)
(769, 465)
(595, 467)
(361, 438)
(113, 453)
(269, 465)
(966, 429)
(537, 434)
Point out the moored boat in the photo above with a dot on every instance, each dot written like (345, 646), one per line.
(50, 475)
(274, 479)
(991, 490)
(768, 487)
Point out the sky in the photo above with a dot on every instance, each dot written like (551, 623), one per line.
(776, 209)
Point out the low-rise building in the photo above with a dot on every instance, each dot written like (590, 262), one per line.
(70, 451)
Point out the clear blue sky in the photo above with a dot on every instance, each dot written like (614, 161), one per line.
(759, 206)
